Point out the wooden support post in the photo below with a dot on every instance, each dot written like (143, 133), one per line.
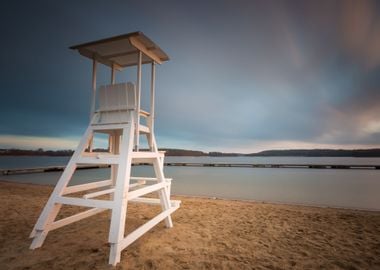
(93, 99)
(113, 72)
(93, 94)
(114, 150)
(137, 131)
(119, 210)
(52, 208)
(110, 136)
(163, 193)
(152, 99)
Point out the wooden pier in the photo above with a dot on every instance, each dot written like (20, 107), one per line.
(188, 164)
(46, 169)
(281, 166)
(278, 166)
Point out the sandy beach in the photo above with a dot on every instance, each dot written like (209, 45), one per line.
(207, 234)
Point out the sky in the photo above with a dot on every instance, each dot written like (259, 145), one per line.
(243, 76)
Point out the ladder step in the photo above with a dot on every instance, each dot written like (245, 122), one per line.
(133, 236)
(87, 186)
(143, 154)
(85, 202)
(144, 129)
(96, 127)
(155, 201)
(104, 158)
(110, 190)
(98, 193)
(153, 179)
(145, 190)
(144, 113)
(71, 219)
(100, 159)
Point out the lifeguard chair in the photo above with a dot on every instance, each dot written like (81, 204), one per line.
(119, 116)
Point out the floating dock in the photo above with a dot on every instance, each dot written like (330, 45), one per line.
(46, 169)
(278, 166)
(187, 164)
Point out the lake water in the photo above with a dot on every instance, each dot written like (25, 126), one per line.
(321, 187)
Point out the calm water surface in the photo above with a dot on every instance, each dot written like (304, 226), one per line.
(337, 188)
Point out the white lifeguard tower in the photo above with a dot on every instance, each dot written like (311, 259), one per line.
(116, 112)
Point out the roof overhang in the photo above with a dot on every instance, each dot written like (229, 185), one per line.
(122, 51)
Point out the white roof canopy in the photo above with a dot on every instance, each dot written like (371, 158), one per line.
(122, 51)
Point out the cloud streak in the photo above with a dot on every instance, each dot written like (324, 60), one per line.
(243, 75)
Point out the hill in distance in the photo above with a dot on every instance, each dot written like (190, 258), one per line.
(193, 153)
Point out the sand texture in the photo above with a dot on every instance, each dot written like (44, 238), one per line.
(207, 234)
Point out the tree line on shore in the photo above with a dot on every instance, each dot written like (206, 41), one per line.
(194, 153)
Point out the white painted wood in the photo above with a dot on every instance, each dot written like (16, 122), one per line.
(118, 116)
(110, 127)
(113, 71)
(66, 221)
(142, 161)
(149, 178)
(110, 142)
(118, 51)
(144, 113)
(93, 95)
(139, 183)
(119, 210)
(142, 154)
(144, 129)
(88, 186)
(99, 155)
(154, 146)
(51, 208)
(142, 48)
(163, 193)
(152, 104)
(117, 97)
(154, 201)
(115, 150)
(98, 193)
(145, 190)
(93, 98)
(133, 236)
(137, 131)
(98, 160)
(85, 202)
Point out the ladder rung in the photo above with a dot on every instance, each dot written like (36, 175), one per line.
(139, 183)
(148, 178)
(146, 227)
(155, 201)
(107, 159)
(68, 220)
(85, 202)
(96, 127)
(145, 190)
(144, 129)
(110, 190)
(142, 154)
(144, 113)
(87, 186)
(98, 193)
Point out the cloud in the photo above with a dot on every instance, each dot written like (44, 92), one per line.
(243, 74)
(360, 26)
(35, 142)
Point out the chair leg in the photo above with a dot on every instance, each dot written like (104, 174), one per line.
(119, 210)
(52, 208)
(163, 193)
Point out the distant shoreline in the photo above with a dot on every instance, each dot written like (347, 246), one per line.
(365, 153)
